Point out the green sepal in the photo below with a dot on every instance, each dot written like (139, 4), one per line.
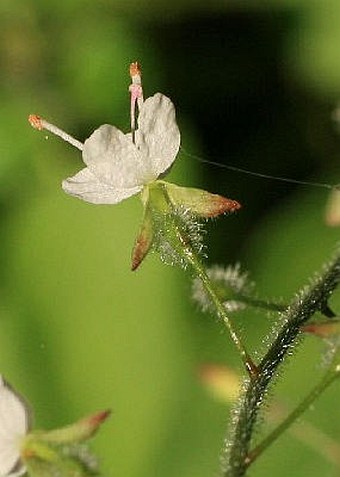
(60, 452)
(171, 220)
(200, 202)
(144, 239)
(77, 432)
(45, 460)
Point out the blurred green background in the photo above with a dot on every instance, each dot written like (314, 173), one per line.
(255, 84)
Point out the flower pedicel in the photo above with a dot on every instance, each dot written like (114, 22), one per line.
(121, 165)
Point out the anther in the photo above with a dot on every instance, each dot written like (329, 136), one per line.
(136, 92)
(39, 123)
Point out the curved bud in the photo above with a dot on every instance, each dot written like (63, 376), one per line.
(326, 329)
(332, 215)
(223, 382)
(143, 241)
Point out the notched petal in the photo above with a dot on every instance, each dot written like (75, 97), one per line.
(200, 202)
(158, 134)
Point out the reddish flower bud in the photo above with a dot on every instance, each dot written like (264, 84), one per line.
(223, 382)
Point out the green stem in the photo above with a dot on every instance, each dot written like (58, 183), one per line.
(227, 293)
(199, 270)
(191, 258)
(325, 382)
(257, 303)
(235, 455)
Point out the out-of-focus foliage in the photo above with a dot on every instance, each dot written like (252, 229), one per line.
(255, 84)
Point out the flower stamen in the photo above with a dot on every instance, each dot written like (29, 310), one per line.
(39, 123)
(136, 92)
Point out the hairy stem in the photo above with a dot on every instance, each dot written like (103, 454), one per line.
(331, 375)
(235, 455)
(199, 270)
(262, 304)
(190, 257)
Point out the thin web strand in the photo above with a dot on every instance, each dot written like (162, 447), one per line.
(260, 174)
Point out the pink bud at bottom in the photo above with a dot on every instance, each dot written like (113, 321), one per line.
(323, 330)
(223, 382)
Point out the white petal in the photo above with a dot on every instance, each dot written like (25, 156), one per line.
(86, 186)
(10, 464)
(158, 135)
(18, 471)
(14, 412)
(114, 158)
(14, 424)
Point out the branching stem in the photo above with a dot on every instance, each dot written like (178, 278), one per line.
(331, 375)
(236, 454)
(199, 270)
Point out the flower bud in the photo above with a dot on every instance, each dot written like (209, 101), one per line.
(222, 382)
(332, 216)
(326, 329)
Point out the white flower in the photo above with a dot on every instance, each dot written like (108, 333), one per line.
(120, 165)
(14, 425)
(117, 167)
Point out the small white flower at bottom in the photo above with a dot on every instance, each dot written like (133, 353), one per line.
(14, 425)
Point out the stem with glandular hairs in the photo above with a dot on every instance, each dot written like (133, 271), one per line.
(331, 375)
(236, 454)
(199, 270)
(191, 258)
